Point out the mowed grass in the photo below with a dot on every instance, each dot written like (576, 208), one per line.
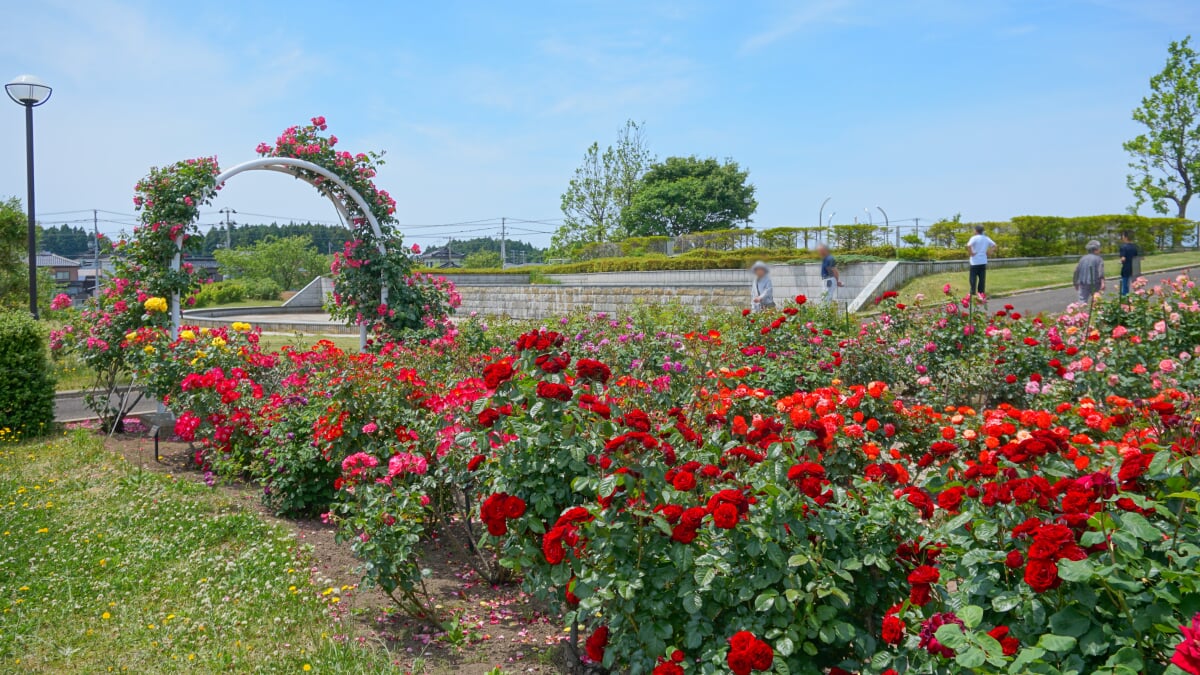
(108, 568)
(1010, 280)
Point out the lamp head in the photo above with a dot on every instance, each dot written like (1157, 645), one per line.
(28, 90)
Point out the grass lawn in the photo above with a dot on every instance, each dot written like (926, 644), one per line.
(243, 303)
(1009, 280)
(108, 568)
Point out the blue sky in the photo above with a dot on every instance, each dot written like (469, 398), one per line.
(924, 107)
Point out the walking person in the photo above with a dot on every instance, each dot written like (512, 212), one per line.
(978, 247)
(830, 278)
(762, 294)
(1089, 273)
(1129, 254)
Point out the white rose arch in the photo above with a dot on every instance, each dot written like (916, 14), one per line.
(293, 167)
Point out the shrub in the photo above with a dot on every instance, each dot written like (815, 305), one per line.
(27, 397)
(483, 260)
(261, 289)
(220, 293)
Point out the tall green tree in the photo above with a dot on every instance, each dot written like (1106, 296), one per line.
(14, 279)
(601, 191)
(687, 194)
(290, 262)
(1166, 157)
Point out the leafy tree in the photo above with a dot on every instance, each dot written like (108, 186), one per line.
(1166, 157)
(482, 260)
(602, 191)
(65, 240)
(688, 194)
(519, 252)
(14, 282)
(325, 238)
(290, 262)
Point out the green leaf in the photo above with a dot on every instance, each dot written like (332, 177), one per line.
(1057, 643)
(951, 635)
(1070, 621)
(971, 615)
(765, 600)
(784, 646)
(972, 657)
(1025, 657)
(1075, 570)
(1186, 494)
(1138, 526)
(1006, 602)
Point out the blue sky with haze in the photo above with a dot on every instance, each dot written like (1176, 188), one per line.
(924, 107)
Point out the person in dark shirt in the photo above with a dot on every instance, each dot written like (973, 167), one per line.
(831, 279)
(1129, 252)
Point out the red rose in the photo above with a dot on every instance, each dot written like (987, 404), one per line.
(684, 481)
(475, 462)
(951, 499)
(514, 507)
(1014, 560)
(1187, 654)
(596, 643)
(554, 391)
(495, 374)
(893, 630)
(488, 417)
(590, 369)
(1042, 575)
(683, 534)
(1010, 645)
(725, 516)
(667, 669)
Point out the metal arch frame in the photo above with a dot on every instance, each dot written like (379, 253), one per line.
(290, 166)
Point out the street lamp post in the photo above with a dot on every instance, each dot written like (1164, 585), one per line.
(30, 92)
(887, 225)
(821, 212)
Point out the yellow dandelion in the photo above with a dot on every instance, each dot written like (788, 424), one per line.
(106, 616)
(307, 667)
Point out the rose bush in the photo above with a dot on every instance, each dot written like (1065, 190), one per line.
(935, 490)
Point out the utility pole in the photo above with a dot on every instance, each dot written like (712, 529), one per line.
(96, 258)
(917, 225)
(503, 234)
(228, 225)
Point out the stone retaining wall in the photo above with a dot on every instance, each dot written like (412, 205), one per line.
(540, 302)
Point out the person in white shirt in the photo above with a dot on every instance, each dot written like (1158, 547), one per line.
(978, 247)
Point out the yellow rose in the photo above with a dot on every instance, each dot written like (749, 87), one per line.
(149, 349)
(156, 305)
(131, 336)
(241, 326)
(218, 342)
(187, 335)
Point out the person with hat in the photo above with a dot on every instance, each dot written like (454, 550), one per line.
(1089, 273)
(762, 294)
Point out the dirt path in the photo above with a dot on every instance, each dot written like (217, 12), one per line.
(499, 627)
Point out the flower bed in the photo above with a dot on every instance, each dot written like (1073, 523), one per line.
(935, 490)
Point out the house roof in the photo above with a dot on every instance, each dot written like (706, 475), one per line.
(53, 260)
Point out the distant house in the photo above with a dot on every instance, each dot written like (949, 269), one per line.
(64, 270)
(441, 257)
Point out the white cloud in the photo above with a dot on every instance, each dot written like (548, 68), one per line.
(810, 14)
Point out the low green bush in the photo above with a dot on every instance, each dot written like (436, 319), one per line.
(236, 290)
(27, 397)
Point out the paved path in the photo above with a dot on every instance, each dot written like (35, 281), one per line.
(71, 408)
(1056, 300)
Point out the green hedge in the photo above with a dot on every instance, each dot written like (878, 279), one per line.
(1041, 236)
(236, 290)
(27, 397)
